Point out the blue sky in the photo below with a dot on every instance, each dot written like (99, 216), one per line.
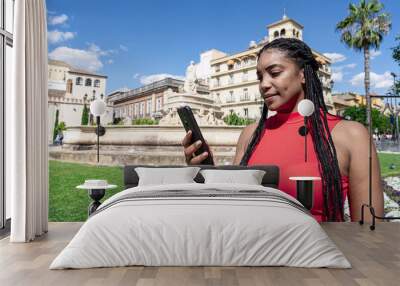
(134, 42)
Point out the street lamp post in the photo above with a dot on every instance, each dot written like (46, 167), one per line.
(395, 106)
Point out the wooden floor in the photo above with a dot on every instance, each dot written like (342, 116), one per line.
(374, 255)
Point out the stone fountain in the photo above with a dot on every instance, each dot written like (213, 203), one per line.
(156, 144)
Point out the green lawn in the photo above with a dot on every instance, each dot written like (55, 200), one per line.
(386, 160)
(66, 203)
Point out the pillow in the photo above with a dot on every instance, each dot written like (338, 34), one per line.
(166, 176)
(249, 177)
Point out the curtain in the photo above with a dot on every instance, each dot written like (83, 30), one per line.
(27, 149)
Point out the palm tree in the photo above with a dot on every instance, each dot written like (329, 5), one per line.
(363, 29)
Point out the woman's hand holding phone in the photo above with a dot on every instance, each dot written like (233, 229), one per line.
(189, 150)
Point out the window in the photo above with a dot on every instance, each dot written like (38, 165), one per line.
(136, 109)
(217, 68)
(88, 82)
(158, 107)
(148, 107)
(130, 110)
(283, 32)
(276, 34)
(217, 82)
(246, 112)
(141, 109)
(96, 83)
(231, 96)
(79, 81)
(245, 76)
(218, 98)
(6, 47)
(246, 94)
(231, 79)
(69, 86)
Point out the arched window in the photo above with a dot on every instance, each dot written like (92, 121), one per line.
(297, 34)
(294, 32)
(276, 34)
(283, 32)
(69, 86)
(88, 82)
(78, 81)
(96, 83)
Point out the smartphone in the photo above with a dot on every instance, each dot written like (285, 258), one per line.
(189, 123)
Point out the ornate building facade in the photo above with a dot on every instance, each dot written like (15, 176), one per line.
(234, 83)
(69, 90)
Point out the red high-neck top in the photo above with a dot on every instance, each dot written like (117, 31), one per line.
(282, 145)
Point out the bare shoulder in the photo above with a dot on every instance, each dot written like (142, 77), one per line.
(248, 131)
(243, 141)
(350, 128)
(246, 135)
(350, 133)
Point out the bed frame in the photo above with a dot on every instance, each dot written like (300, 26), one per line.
(270, 179)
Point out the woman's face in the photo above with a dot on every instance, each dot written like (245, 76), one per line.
(280, 81)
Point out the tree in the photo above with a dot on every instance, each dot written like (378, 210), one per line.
(234, 119)
(85, 115)
(144, 121)
(363, 29)
(61, 126)
(55, 130)
(359, 114)
(396, 57)
(396, 51)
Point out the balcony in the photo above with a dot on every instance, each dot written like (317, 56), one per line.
(244, 97)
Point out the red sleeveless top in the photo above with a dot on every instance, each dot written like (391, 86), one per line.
(282, 145)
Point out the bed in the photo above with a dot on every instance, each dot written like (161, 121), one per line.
(201, 223)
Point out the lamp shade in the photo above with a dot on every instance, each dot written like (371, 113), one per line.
(305, 107)
(97, 107)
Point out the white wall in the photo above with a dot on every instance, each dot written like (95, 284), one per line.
(203, 68)
(79, 91)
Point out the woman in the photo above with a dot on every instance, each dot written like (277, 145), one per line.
(287, 71)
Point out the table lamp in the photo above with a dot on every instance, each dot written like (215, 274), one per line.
(97, 108)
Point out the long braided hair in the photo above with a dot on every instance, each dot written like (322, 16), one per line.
(328, 165)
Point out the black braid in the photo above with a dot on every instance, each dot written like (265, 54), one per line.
(319, 130)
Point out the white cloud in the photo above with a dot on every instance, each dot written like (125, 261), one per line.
(57, 36)
(337, 76)
(110, 61)
(335, 57)
(58, 20)
(147, 79)
(96, 50)
(351, 66)
(82, 59)
(123, 48)
(338, 71)
(377, 80)
(136, 75)
(374, 54)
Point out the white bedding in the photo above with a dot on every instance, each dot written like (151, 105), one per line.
(183, 231)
